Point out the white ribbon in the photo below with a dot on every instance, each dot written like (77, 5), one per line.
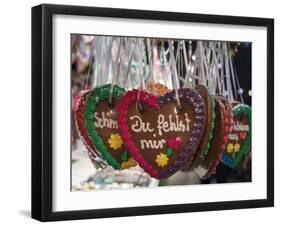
(174, 73)
(116, 70)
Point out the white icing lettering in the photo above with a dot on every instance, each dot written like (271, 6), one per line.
(238, 126)
(172, 125)
(232, 136)
(102, 121)
(155, 144)
(140, 126)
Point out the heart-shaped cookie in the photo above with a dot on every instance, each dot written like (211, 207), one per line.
(159, 135)
(239, 140)
(102, 128)
(205, 143)
(228, 127)
(208, 166)
(80, 123)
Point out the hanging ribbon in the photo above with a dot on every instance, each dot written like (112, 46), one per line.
(116, 70)
(174, 73)
(187, 77)
(150, 49)
(228, 86)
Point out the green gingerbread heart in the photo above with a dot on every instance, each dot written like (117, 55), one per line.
(239, 140)
(102, 128)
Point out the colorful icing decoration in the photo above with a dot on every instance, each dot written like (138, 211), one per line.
(93, 154)
(128, 164)
(147, 130)
(233, 149)
(115, 141)
(175, 143)
(205, 142)
(243, 135)
(208, 166)
(124, 156)
(228, 126)
(169, 152)
(162, 160)
(101, 124)
(229, 148)
(236, 147)
(240, 137)
(213, 116)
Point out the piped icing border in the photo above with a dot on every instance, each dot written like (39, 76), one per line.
(213, 118)
(228, 121)
(99, 94)
(238, 110)
(80, 124)
(188, 95)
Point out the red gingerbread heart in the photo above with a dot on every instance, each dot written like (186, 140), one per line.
(159, 135)
(80, 123)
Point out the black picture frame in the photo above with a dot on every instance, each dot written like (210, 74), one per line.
(42, 108)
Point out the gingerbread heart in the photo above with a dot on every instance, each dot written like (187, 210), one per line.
(217, 145)
(102, 128)
(239, 140)
(205, 144)
(161, 136)
(80, 123)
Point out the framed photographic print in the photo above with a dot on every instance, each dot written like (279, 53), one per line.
(146, 112)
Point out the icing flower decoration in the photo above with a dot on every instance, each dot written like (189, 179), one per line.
(229, 148)
(236, 147)
(115, 141)
(128, 164)
(161, 160)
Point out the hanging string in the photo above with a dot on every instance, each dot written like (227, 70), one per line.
(220, 74)
(174, 73)
(115, 71)
(140, 56)
(131, 56)
(90, 65)
(179, 60)
(196, 65)
(108, 58)
(163, 61)
(143, 67)
(212, 79)
(228, 85)
(206, 66)
(100, 53)
(240, 91)
(187, 83)
(150, 49)
(141, 86)
(232, 74)
(207, 62)
(202, 74)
